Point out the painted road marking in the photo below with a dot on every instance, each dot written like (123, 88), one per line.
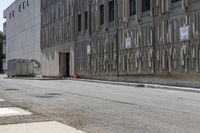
(12, 111)
(2, 100)
(39, 127)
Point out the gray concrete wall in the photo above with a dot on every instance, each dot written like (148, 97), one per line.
(51, 65)
(23, 31)
(57, 33)
(156, 50)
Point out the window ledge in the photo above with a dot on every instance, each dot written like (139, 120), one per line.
(146, 13)
(176, 4)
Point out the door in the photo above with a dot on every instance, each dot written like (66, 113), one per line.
(64, 64)
(67, 64)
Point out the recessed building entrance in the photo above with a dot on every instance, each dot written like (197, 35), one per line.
(64, 64)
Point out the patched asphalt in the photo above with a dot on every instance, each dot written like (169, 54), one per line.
(103, 108)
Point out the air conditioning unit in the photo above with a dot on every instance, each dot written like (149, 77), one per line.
(20, 67)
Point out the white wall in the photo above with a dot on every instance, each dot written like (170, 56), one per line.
(50, 60)
(23, 31)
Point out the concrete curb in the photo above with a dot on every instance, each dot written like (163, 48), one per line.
(33, 78)
(154, 86)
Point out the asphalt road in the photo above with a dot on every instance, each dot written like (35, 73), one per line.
(102, 108)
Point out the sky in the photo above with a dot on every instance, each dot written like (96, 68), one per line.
(3, 5)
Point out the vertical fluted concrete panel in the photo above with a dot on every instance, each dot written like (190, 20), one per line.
(156, 48)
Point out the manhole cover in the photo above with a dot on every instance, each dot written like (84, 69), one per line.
(140, 85)
(11, 89)
(45, 96)
(53, 94)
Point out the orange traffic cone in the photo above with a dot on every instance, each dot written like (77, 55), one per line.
(75, 76)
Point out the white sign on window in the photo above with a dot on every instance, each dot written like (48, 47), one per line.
(88, 49)
(185, 33)
(128, 42)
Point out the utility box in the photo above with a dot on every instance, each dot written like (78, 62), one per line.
(20, 67)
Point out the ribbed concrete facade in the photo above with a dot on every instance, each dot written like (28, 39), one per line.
(57, 36)
(128, 40)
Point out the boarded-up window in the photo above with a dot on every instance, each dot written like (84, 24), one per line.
(145, 5)
(175, 1)
(86, 20)
(101, 14)
(111, 11)
(132, 7)
(79, 23)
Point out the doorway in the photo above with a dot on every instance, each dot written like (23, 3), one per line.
(67, 65)
(64, 64)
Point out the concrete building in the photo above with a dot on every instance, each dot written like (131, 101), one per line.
(3, 48)
(57, 41)
(4, 63)
(152, 41)
(23, 23)
(2, 44)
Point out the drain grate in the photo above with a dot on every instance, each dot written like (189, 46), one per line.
(10, 89)
(45, 96)
(53, 94)
(140, 85)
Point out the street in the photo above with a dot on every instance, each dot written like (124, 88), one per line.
(102, 108)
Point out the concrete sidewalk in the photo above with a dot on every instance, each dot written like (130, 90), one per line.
(155, 86)
(40, 127)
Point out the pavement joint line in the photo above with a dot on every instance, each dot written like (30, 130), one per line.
(154, 86)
